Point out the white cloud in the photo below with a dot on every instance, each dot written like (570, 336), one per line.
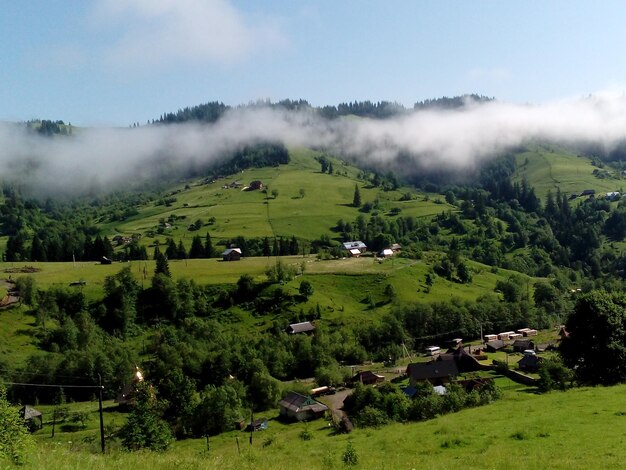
(445, 139)
(148, 33)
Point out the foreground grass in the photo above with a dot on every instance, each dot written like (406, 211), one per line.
(583, 428)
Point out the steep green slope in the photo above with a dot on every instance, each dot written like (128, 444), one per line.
(326, 199)
(548, 168)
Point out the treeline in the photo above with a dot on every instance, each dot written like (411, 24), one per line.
(213, 111)
(256, 156)
(47, 127)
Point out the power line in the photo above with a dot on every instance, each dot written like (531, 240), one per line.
(54, 385)
(15, 372)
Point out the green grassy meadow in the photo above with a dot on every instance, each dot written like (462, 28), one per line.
(549, 169)
(327, 198)
(579, 429)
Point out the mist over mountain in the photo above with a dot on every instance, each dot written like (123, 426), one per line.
(440, 135)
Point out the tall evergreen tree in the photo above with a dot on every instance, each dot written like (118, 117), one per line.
(162, 265)
(181, 252)
(197, 249)
(171, 252)
(208, 246)
(356, 200)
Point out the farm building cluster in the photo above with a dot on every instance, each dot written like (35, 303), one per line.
(357, 248)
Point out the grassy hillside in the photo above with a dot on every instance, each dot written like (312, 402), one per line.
(552, 168)
(327, 198)
(579, 429)
(342, 288)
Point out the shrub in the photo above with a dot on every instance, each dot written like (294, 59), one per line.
(15, 440)
(371, 417)
(350, 457)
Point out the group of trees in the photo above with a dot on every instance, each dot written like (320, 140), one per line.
(378, 406)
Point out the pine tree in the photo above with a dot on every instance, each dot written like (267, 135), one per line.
(208, 246)
(162, 265)
(181, 252)
(197, 249)
(356, 201)
(171, 252)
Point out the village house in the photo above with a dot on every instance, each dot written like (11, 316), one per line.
(530, 362)
(495, 345)
(435, 372)
(355, 248)
(302, 327)
(521, 345)
(367, 377)
(386, 253)
(464, 361)
(231, 254)
(300, 407)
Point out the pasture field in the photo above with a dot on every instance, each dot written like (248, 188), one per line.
(327, 198)
(548, 169)
(579, 429)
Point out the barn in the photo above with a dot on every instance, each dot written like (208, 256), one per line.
(231, 254)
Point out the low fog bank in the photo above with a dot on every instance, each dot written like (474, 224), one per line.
(104, 159)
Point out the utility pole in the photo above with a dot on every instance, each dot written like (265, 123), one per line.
(100, 387)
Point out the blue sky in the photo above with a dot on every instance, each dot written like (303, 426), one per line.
(114, 62)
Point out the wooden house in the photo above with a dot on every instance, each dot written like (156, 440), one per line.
(355, 248)
(435, 372)
(464, 361)
(529, 363)
(301, 408)
(367, 377)
(231, 254)
(495, 345)
(32, 417)
(521, 345)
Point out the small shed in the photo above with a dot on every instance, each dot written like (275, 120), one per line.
(300, 407)
(490, 337)
(231, 254)
(33, 417)
(302, 327)
(367, 377)
(386, 253)
(257, 425)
